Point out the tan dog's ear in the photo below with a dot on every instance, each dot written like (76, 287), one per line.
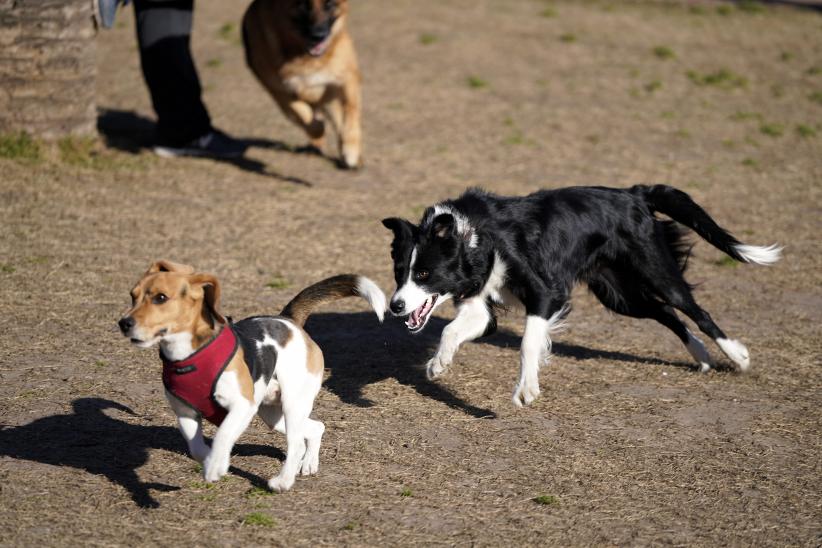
(169, 266)
(211, 293)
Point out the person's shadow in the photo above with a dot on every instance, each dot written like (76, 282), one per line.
(129, 132)
(91, 440)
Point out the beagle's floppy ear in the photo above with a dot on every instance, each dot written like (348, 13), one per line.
(169, 266)
(211, 294)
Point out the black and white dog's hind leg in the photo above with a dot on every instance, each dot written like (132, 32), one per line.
(535, 351)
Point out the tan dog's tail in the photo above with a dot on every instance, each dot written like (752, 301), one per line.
(331, 289)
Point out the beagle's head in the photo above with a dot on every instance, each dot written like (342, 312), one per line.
(171, 301)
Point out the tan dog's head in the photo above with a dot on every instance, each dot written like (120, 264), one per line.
(169, 301)
(316, 21)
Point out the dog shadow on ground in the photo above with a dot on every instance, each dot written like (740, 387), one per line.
(90, 439)
(358, 352)
(129, 132)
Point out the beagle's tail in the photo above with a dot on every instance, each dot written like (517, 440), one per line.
(332, 289)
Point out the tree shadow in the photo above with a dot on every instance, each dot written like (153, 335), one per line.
(358, 353)
(91, 440)
(129, 132)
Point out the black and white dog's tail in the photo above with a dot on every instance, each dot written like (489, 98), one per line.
(332, 289)
(682, 209)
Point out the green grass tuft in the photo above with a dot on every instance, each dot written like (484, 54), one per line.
(750, 6)
(278, 282)
(214, 62)
(651, 87)
(741, 116)
(475, 82)
(722, 78)
(750, 162)
(427, 38)
(664, 52)
(406, 492)
(79, 151)
(726, 262)
(258, 519)
(772, 130)
(258, 492)
(228, 32)
(548, 13)
(568, 38)
(546, 500)
(785, 56)
(19, 146)
(6, 268)
(351, 525)
(724, 10)
(813, 71)
(805, 131)
(816, 97)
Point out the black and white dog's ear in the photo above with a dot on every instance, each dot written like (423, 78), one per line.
(400, 227)
(443, 226)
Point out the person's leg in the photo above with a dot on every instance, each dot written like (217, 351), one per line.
(163, 36)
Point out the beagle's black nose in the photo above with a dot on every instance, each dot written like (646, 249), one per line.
(126, 324)
(398, 306)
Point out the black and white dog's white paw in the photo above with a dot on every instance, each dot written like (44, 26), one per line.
(526, 391)
(436, 367)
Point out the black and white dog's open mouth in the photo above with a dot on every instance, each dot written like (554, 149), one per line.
(419, 317)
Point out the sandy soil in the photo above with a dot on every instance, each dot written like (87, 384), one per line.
(628, 445)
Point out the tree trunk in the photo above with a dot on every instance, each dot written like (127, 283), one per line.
(47, 67)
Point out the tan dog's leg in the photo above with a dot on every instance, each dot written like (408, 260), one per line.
(302, 114)
(351, 135)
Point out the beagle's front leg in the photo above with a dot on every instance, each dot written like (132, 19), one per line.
(236, 421)
(191, 427)
(234, 392)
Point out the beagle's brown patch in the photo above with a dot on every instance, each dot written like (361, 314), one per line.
(239, 367)
(315, 363)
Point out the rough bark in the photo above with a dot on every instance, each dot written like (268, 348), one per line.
(47, 67)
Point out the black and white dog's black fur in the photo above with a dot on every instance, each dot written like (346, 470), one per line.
(484, 251)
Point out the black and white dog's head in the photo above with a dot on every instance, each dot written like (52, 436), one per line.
(432, 263)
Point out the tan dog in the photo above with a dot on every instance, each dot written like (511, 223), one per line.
(303, 55)
(228, 372)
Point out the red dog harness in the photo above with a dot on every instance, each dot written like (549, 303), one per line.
(194, 379)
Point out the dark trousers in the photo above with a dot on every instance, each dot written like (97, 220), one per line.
(164, 37)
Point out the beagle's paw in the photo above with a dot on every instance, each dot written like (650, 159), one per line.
(215, 467)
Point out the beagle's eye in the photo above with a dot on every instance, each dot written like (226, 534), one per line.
(159, 298)
(421, 275)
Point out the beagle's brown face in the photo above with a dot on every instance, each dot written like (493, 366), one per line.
(170, 300)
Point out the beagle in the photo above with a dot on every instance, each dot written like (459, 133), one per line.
(227, 372)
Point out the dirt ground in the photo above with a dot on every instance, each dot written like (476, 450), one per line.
(627, 445)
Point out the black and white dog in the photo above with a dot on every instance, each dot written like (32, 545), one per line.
(486, 251)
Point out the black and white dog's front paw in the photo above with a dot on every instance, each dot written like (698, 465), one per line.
(436, 367)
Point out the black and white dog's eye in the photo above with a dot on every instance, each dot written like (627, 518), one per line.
(159, 298)
(421, 275)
